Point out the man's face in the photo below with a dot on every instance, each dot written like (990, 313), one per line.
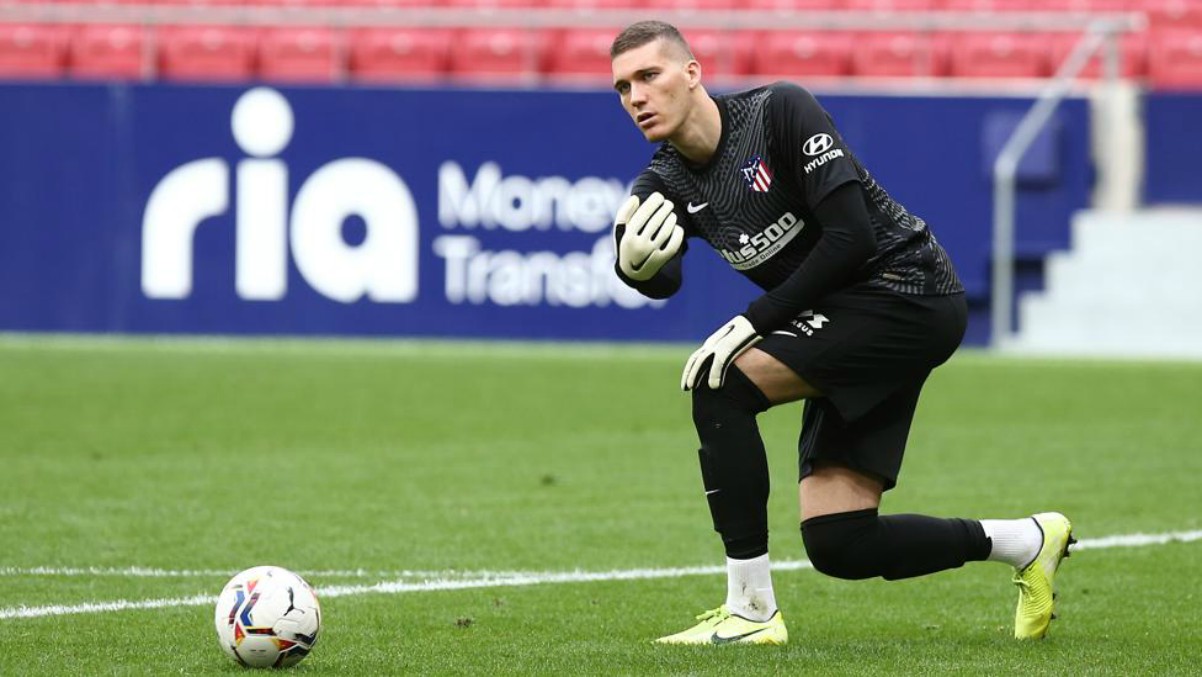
(653, 82)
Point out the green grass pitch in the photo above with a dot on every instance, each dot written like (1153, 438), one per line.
(359, 461)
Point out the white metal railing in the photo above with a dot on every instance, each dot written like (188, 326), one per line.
(1100, 32)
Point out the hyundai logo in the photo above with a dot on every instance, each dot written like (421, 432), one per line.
(817, 144)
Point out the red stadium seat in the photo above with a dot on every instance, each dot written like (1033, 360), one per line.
(796, 5)
(721, 53)
(498, 53)
(297, 4)
(198, 3)
(390, 3)
(490, 4)
(886, 6)
(897, 55)
(300, 55)
(582, 53)
(1086, 6)
(990, 5)
(1133, 49)
(789, 53)
(999, 55)
(32, 51)
(100, 51)
(391, 54)
(1175, 60)
(1173, 14)
(594, 4)
(695, 5)
(206, 53)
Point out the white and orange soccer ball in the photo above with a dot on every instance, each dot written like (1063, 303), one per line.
(267, 617)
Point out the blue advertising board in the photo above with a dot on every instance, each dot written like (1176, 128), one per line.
(407, 212)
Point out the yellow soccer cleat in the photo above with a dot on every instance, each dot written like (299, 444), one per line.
(720, 626)
(1034, 581)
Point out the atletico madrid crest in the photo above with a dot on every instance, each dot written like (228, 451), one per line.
(757, 175)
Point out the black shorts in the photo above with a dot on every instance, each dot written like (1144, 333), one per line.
(868, 350)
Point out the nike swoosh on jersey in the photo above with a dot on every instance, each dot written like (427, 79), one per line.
(693, 209)
(717, 639)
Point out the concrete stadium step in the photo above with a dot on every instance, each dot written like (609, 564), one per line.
(1130, 286)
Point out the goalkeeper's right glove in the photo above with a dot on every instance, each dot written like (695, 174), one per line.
(646, 236)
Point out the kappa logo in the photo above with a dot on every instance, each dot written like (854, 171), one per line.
(817, 145)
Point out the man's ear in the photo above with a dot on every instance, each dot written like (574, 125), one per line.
(693, 70)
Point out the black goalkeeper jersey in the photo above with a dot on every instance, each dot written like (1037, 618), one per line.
(754, 201)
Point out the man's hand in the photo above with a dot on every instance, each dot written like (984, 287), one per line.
(725, 346)
(651, 236)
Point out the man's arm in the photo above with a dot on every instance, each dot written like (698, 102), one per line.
(822, 167)
(847, 243)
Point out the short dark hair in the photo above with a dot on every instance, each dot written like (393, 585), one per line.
(638, 34)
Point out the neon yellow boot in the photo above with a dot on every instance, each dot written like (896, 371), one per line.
(1035, 590)
(720, 626)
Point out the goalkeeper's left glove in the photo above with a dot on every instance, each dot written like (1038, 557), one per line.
(724, 346)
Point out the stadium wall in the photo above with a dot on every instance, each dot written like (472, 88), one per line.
(1174, 144)
(437, 212)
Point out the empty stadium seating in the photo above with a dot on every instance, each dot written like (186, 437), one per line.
(109, 52)
(206, 53)
(576, 48)
(803, 53)
(1132, 54)
(32, 51)
(722, 53)
(300, 55)
(1175, 60)
(999, 55)
(581, 53)
(505, 54)
(393, 54)
(902, 54)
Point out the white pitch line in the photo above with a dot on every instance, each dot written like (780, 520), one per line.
(151, 572)
(516, 579)
(99, 607)
(1138, 540)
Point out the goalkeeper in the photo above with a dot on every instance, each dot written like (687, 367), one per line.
(860, 303)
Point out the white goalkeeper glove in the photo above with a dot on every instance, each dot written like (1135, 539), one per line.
(725, 346)
(651, 238)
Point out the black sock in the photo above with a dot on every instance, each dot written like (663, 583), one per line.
(862, 544)
(734, 465)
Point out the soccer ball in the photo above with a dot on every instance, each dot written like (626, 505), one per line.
(267, 617)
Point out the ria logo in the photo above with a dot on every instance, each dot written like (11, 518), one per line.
(383, 267)
(817, 144)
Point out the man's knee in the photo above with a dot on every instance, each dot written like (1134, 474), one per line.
(842, 545)
(737, 395)
(773, 378)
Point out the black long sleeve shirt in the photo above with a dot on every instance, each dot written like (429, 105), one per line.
(788, 205)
